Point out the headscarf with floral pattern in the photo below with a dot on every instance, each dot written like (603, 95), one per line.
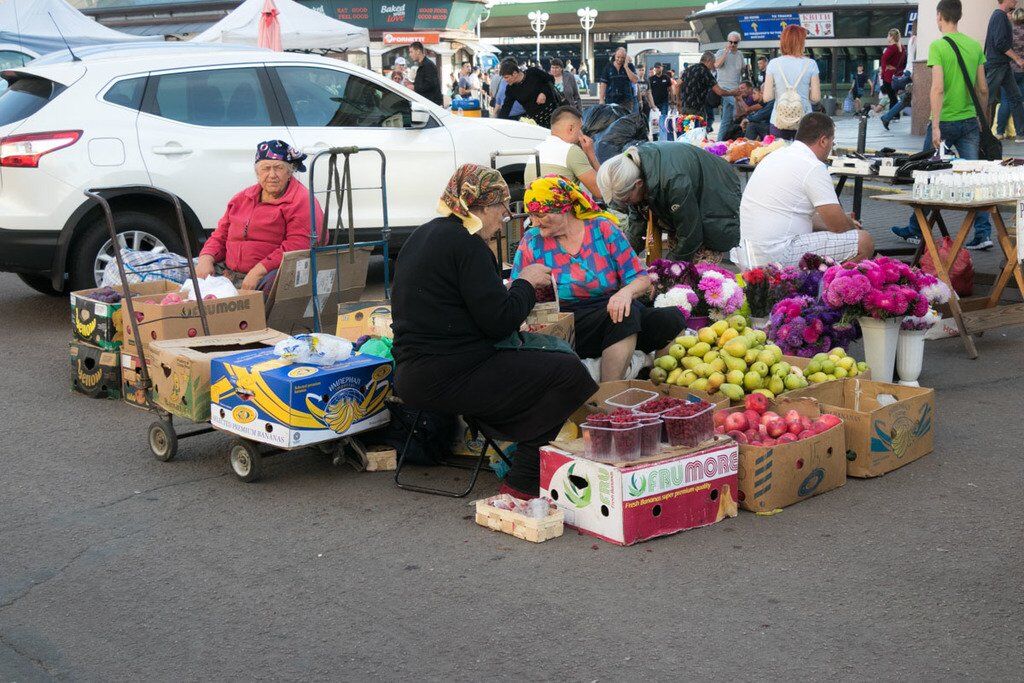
(555, 194)
(472, 186)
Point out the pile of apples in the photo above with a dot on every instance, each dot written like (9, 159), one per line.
(756, 425)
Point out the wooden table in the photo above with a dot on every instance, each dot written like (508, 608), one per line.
(974, 315)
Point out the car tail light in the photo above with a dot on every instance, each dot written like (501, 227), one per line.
(24, 151)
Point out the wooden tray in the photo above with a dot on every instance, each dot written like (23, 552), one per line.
(520, 526)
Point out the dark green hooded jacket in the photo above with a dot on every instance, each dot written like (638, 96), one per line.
(693, 193)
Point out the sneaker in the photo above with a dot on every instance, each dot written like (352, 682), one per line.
(905, 232)
(885, 124)
(979, 243)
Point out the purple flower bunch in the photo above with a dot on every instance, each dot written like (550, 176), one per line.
(802, 325)
(667, 274)
(881, 288)
(718, 293)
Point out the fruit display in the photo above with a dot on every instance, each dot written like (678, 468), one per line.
(727, 357)
(107, 295)
(690, 424)
(833, 365)
(612, 436)
(756, 425)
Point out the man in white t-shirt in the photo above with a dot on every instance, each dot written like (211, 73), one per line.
(790, 207)
(567, 152)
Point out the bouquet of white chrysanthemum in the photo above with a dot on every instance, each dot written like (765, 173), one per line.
(680, 296)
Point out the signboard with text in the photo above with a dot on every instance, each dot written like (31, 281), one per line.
(401, 15)
(818, 24)
(766, 26)
(392, 38)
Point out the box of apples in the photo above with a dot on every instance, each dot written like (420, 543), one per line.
(789, 450)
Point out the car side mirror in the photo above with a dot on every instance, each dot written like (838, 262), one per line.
(419, 116)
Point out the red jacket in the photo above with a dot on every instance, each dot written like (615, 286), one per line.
(894, 62)
(252, 231)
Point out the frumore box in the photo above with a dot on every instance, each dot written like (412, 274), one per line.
(887, 425)
(261, 397)
(632, 503)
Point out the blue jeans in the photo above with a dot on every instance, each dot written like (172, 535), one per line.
(1005, 107)
(965, 136)
(728, 111)
(900, 105)
(662, 132)
(1001, 83)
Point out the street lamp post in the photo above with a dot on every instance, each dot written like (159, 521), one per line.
(484, 16)
(588, 17)
(538, 22)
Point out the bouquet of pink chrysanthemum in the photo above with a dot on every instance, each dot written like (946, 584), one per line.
(719, 291)
(880, 288)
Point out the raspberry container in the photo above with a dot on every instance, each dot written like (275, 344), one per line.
(631, 399)
(651, 435)
(692, 430)
(611, 444)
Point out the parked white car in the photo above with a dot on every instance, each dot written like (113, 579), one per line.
(186, 118)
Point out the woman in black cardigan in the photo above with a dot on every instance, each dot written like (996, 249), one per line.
(449, 309)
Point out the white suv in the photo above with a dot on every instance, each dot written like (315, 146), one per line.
(186, 119)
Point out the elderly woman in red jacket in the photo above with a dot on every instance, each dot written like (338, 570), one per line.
(262, 222)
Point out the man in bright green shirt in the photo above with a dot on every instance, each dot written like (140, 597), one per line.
(954, 117)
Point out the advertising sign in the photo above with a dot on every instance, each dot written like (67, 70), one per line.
(818, 24)
(766, 26)
(432, 14)
(394, 38)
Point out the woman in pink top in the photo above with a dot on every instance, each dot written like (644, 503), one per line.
(894, 62)
(262, 222)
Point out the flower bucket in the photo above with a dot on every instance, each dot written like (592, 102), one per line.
(758, 323)
(880, 341)
(698, 321)
(910, 356)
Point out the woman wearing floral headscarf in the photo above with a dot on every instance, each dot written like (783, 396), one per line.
(262, 222)
(597, 273)
(451, 313)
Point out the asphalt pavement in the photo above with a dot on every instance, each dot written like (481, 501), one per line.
(114, 566)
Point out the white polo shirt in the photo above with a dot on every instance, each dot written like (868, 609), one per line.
(780, 198)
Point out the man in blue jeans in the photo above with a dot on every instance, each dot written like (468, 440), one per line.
(954, 117)
(998, 55)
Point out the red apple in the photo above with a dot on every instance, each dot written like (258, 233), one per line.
(776, 427)
(738, 437)
(830, 420)
(794, 428)
(768, 417)
(768, 442)
(720, 416)
(792, 419)
(720, 429)
(752, 435)
(806, 434)
(786, 438)
(756, 402)
(805, 422)
(753, 417)
(737, 422)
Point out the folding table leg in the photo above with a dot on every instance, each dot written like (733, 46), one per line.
(1012, 266)
(942, 271)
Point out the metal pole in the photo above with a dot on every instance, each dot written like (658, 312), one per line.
(858, 182)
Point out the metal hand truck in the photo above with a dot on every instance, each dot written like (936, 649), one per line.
(162, 434)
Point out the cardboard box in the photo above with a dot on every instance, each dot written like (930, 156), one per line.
(95, 372)
(879, 438)
(338, 281)
(229, 315)
(596, 403)
(773, 477)
(263, 398)
(637, 502)
(545, 318)
(180, 368)
(372, 318)
(133, 388)
(99, 323)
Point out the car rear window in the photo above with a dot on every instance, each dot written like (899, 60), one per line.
(25, 96)
(127, 93)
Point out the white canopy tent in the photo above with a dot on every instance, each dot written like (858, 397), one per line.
(301, 28)
(33, 26)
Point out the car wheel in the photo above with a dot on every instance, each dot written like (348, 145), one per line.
(41, 283)
(135, 230)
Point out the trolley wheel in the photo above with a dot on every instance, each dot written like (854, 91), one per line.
(246, 461)
(163, 441)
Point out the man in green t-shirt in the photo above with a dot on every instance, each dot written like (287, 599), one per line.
(567, 152)
(954, 117)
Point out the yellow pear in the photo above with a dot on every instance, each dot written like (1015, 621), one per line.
(707, 335)
(720, 327)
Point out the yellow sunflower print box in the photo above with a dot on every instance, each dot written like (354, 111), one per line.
(264, 398)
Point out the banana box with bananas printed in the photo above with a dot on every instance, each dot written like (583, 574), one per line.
(95, 372)
(99, 322)
(271, 400)
(887, 425)
(628, 503)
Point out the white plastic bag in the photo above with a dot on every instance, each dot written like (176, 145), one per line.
(217, 286)
(146, 266)
(694, 136)
(314, 349)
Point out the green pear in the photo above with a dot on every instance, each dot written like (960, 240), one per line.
(677, 351)
(667, 363)
(752, 381)
(687, 341)
(658, 375)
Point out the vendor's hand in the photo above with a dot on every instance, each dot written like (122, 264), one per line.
(586, 143)
(936, 138)
(537, 274)
(542, 98)
(853, 219)
(619, 306)
(205, 267)
(253, 277)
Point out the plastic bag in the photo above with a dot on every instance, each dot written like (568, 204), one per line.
(848, 103)
(380, 347)
(216, 286)
(619, 136)
(146, 266)
(961, 273)
(314, 349)
(597, 119)
(694, 136)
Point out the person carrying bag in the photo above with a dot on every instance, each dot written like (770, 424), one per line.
(989, 147)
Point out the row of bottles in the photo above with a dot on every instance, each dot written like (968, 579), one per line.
(964, 188)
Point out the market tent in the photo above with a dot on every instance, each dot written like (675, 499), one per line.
(28, 24)
(301, 28)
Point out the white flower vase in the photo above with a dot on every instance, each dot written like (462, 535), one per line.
(880, 340)
(910, 356)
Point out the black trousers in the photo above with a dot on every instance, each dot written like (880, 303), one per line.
(521, 396)
(890, 93)
(595, 331)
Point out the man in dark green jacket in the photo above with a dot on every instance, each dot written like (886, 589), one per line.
(691, 194)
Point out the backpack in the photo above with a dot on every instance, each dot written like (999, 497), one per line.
(789, 107)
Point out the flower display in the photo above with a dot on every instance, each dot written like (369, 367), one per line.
(804, 326)
(716, 289)
(689, 122)
(680, 296)
(881, 288)
(924, 322)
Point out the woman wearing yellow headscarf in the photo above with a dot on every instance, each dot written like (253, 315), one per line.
(597, 273)
(451, 312)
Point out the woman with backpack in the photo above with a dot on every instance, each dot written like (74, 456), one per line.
(792, 83)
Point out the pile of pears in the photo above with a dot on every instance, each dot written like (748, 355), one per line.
(833, 365)
(731, 358)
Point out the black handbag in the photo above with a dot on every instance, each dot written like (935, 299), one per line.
(989, 148)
